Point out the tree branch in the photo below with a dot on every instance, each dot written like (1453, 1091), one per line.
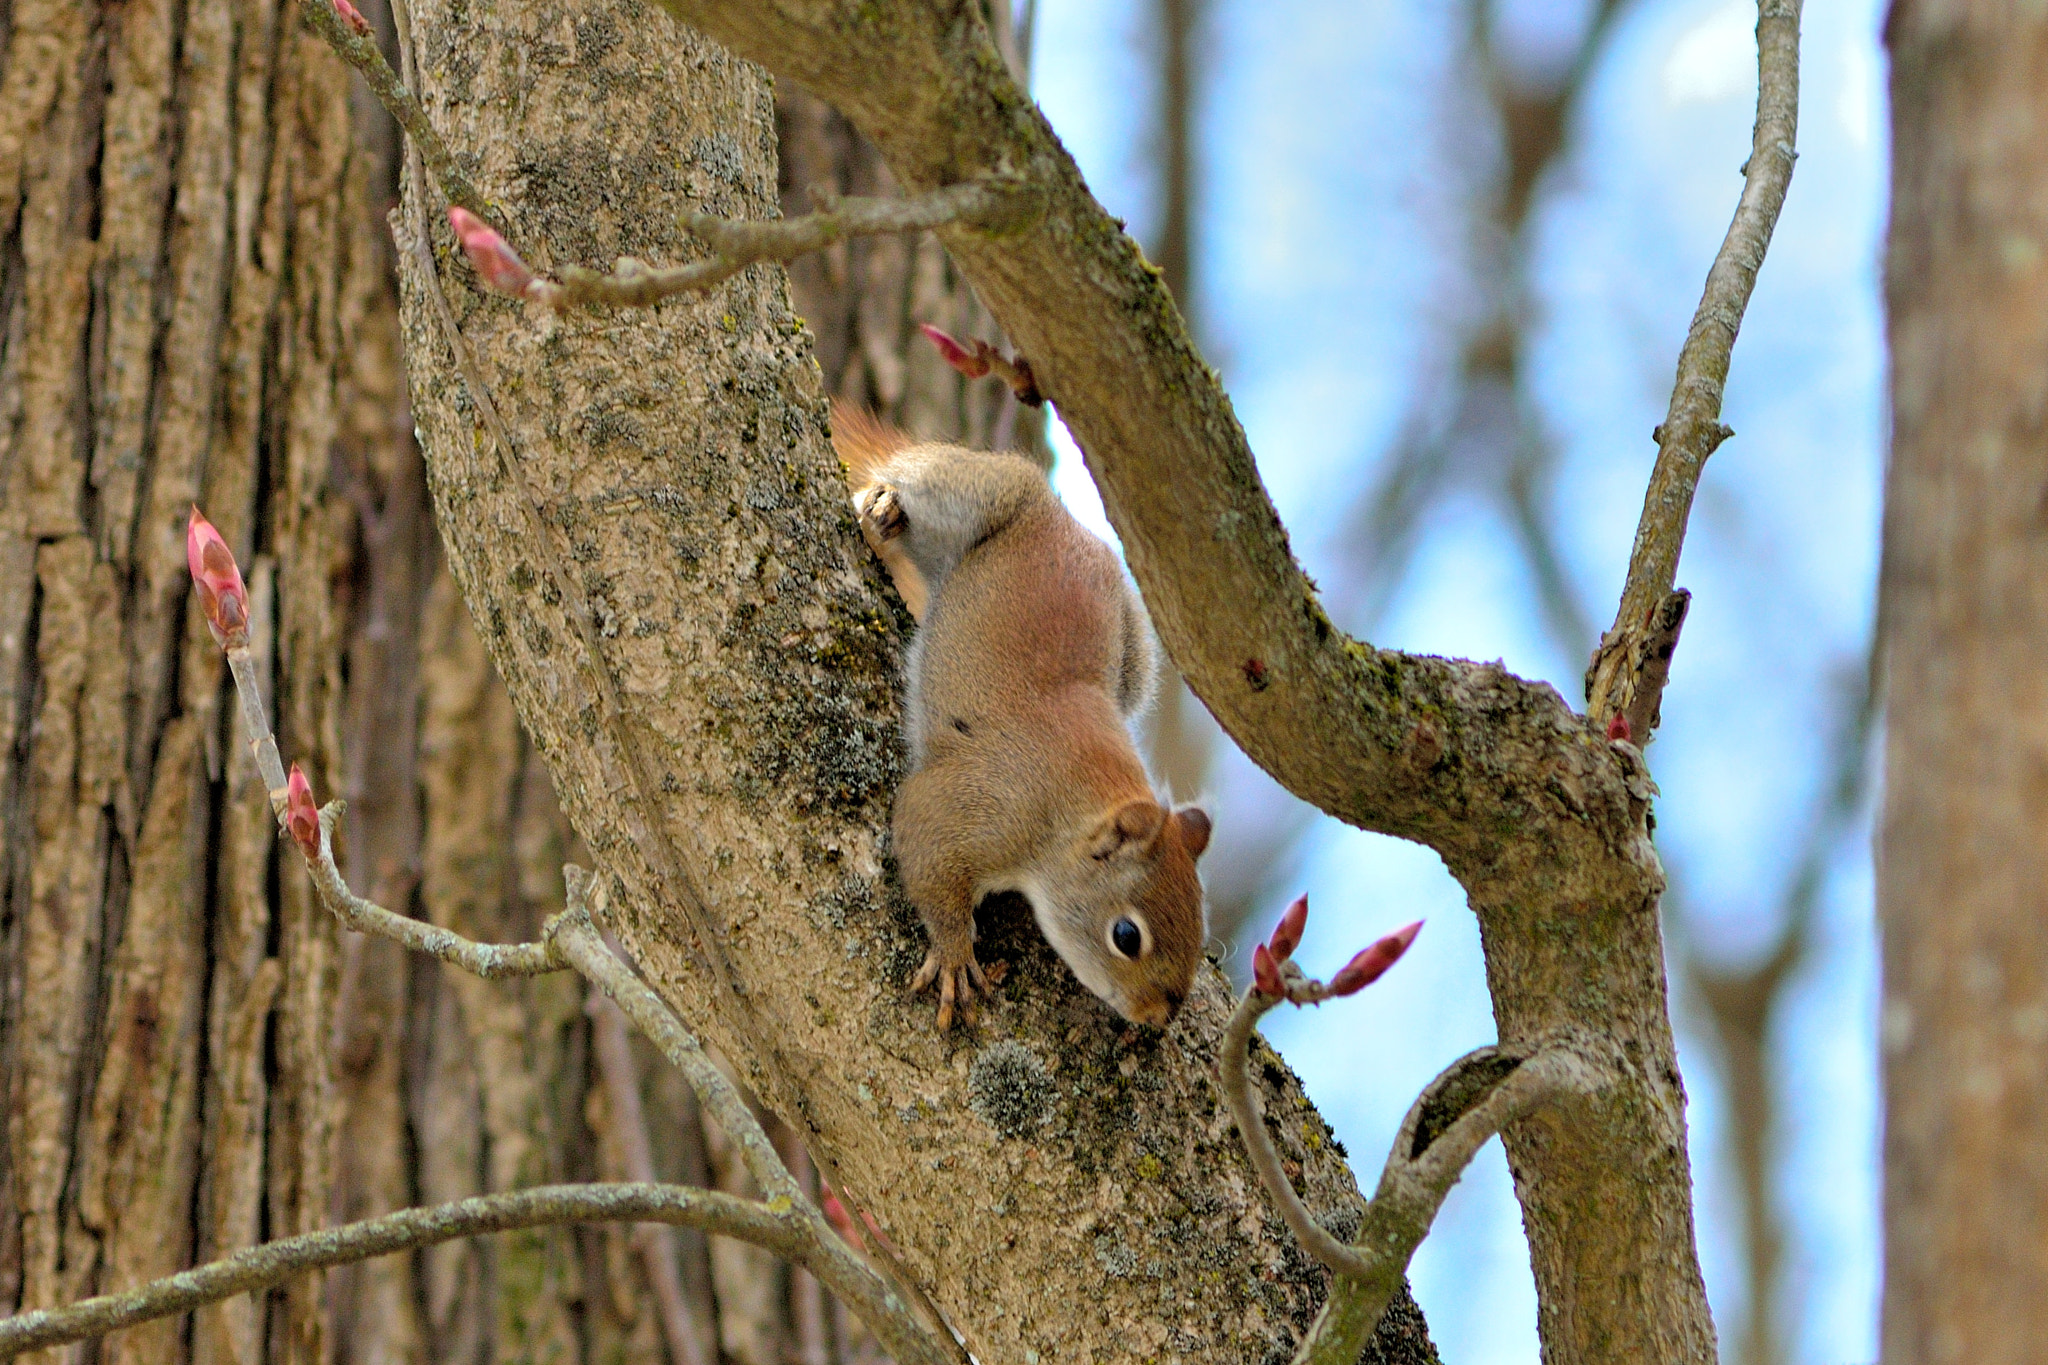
(358, 47)
(1625, 668)
(492, 961)
(1470, 1101)
(989, 204)
(1473, 1099)
(782, 1232)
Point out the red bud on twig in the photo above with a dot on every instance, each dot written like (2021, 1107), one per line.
(222, 597)
(1266, 973)
(975, 358)
(1370, 965)
(1287, 935)
(973, 363)
(301, 820)
(496, 262)
(353, 17)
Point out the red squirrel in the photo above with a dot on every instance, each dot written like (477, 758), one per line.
(1032, 652)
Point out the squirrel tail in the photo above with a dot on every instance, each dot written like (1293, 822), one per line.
(864, 441)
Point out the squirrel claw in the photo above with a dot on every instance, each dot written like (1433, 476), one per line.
(881, 511)
(959, 983)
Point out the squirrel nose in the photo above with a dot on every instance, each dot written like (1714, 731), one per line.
(1161, 1014)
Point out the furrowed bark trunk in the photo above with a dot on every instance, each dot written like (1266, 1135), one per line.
(1963, 843)
(181, 212)
(659, 551)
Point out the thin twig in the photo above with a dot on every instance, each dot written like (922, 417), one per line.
(275, 1262)
(992, 204)
(1692, 430)
(270, 767)
(492, 961)
(360, 50)
(1233, 1069)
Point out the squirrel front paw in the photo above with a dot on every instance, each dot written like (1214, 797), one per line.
(881, 512)
(960, 979)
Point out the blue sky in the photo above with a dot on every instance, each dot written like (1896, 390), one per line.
(1330, 158)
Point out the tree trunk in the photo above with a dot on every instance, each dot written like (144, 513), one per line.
(185, 268)
(643, 512)
(198, 304)
(1963, 845)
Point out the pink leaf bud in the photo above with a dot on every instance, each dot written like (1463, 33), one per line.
(1370, 965)
(498, 263)
(222, 597)
(1287, 935)
(1618, 728)
(301, 820)
(972, 363)
(353, 17)
(836, 1214)
(1266, 973)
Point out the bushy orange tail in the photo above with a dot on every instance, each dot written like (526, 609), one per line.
(863, 441)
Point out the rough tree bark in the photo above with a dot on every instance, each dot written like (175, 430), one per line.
(184, 264)
(198, 302)
(1963, 842)
(649, 525)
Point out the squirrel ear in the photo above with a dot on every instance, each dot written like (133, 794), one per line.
(1134, 822)
(1194, 829)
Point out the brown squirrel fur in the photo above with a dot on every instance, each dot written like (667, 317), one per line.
(1032, 653)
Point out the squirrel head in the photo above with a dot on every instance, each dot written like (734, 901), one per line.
(1121, 904)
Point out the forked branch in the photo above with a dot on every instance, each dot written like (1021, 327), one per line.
(1629, 668)
(1470, 1101)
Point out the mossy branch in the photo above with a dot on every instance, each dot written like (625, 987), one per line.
(1470, 1101)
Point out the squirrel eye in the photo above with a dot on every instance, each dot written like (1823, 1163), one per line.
(1127, 938)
